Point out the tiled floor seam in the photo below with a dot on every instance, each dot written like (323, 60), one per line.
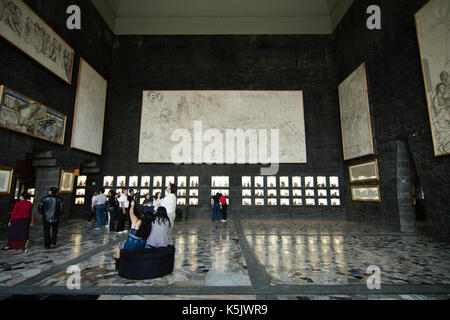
(259, 278)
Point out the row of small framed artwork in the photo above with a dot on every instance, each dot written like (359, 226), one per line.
(6, 176)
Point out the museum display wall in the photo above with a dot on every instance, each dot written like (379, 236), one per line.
(94, 43)
(399, 113)
(227, 63)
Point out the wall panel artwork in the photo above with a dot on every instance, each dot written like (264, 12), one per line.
(24, 115)
(355, 115)
(89, 113)
(23, 28)
(166, 113)
(6, 175)
(433, 32)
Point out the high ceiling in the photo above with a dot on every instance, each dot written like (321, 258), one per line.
(222, 16)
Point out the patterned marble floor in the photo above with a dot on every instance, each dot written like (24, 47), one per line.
(213, 255)
(340, 253)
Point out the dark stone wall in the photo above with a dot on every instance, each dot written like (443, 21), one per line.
(226, 63)
(398, 107)
(93, 42)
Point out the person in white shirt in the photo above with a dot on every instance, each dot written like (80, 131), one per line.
(99, 206)
(170, 203)
(92, 213)
(124, 204)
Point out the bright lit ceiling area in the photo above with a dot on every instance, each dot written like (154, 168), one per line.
(182, 17)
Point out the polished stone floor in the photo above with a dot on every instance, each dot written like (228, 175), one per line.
(241, 260)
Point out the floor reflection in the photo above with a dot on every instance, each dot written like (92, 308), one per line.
(206, 255)
(332, 253)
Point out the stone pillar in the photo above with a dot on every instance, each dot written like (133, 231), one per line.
(404, 189)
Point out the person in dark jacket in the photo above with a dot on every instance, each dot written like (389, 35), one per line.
(112, 209)
(51, 208)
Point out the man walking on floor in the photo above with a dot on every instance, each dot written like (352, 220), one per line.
(51, 208)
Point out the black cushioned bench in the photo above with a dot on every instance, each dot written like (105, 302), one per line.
(146, 264)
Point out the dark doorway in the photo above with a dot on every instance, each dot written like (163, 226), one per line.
(24, 178)
(419, 202)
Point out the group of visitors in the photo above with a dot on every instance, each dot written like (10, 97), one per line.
(21, 220)
(150, 224)
(118, 207)
(219, 207)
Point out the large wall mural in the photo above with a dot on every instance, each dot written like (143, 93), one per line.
(22, 27)
(164, 113)
(355, 115)
(433, 32)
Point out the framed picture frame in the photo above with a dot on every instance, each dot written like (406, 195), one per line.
(366, 193)
(356, 126)
(364, 172)
(432, 36)
(6, 175)
(67, 181)
(24, 29)
(89, 111)
(24, 115)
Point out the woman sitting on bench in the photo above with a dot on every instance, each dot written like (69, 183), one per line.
(159, 235)
(140, 231)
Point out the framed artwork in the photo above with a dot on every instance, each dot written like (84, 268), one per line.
(145, 181)
(89, 114)
(364, 172)
(24, 115)
(108, 181)
(6, 175)
(432, 23)
(185, 110)
(366, 193)
(81, 181)
(121, 181)
(66, 183)
(23, 28)
(356, 126)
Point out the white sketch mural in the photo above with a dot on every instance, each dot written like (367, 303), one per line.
(89, 116)
(433, 30)
(27, 31)
(355, 115)
(166, 111)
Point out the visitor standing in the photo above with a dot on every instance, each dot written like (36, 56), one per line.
(123, 211)
(223, 207)
(20, 223)
(131, 197)
(170, 203)
(51, 208)
(111, 208)
(92, 211)
(148, 205)
(215, 205)
(157, 201)
(99, 206)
